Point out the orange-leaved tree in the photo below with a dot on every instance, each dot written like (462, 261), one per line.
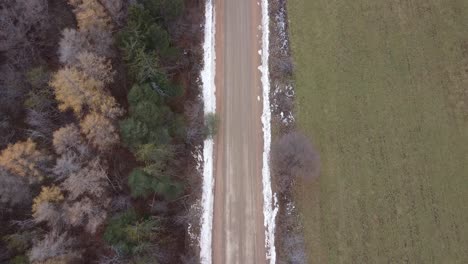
(24, 159)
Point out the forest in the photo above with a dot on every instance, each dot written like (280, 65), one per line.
(99, 115)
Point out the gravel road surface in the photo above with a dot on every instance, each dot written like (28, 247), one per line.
(238, 233)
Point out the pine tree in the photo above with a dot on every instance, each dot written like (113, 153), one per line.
(165, 9)
(134, 132)
(143, 92)
(130, 234)
(139, 183)
(143, 184)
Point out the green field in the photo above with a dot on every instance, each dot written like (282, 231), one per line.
(382, 90)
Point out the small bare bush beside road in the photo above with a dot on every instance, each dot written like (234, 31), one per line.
(294, 156)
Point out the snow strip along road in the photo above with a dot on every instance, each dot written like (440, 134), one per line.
(270, 203)
(209, 98)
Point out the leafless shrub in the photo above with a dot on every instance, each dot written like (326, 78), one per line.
(294, 156)
(196, 127)
(281, 63)
(121, 203)
(189, 259)
(291, 243)
(282, 67)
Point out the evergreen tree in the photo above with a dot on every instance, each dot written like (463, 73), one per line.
(130, 234)
(140, 183)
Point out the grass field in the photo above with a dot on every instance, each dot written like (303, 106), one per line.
(382, 90)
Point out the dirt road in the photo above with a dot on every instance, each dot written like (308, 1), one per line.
(238, 234)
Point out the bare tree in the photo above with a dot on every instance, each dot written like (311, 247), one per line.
(40, 123)
(117, 9)
(74, 42)
(7, 132)
(93, 34)
(12, 91)
(85, 213)
(14, 190)
(91, 180)
(294, 156)
(100, 41)
(95, 66)
(100, 131)
(68, 139)
(91, 14)
(50, 213)
(67, 164)
(21, 22)
(70, 45)
(54, 245)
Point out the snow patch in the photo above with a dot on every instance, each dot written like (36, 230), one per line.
(270, 201)
(209, 89)
(285, 111)
(197, 154)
